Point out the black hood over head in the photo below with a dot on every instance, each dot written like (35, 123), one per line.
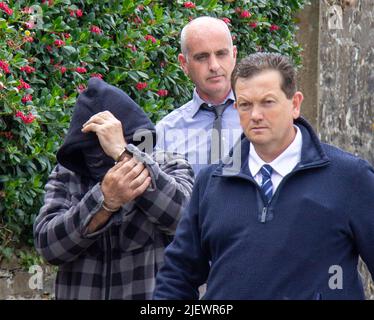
(100, 96)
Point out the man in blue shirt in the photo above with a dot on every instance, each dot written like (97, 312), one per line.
(290, 222)
(208, 57)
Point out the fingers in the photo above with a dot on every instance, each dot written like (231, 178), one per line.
(132, 171)
(139, 180)
(94, 127)
(118, 165)
(140, 190)
(125, 181)
(94, 119)
(100, 118)
(135, 171)
(125, 166)
(94, 123)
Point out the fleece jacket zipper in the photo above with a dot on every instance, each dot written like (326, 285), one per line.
(265, 208)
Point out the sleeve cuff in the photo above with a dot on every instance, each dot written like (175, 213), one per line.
(92, 203)
(149, 162)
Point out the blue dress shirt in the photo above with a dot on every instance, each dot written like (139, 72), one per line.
(187, 130)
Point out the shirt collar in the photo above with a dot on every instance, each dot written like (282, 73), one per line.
(284, 163)
(197, 101)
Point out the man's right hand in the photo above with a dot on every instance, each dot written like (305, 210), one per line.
(124, 182)
(109, 132)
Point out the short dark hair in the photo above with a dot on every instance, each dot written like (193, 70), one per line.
(258, 62)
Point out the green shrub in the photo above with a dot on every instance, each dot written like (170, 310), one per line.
(49, 50)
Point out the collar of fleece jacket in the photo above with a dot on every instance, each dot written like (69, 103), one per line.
(100, 96)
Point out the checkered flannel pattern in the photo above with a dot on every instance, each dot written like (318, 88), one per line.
(120, 260)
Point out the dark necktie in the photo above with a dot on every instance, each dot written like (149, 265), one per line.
(216, 141)
(266, 185)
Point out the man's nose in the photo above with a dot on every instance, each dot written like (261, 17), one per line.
(213, 64)
(256, 113)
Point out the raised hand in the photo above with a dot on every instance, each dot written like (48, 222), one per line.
(124, 182)
(109, 131)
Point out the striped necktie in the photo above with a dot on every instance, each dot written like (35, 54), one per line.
(266, 185)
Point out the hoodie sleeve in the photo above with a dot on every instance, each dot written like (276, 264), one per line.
(186, 265)
(60, 229)
(171, 187)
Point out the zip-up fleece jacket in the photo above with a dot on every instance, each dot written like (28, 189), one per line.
(304, 244)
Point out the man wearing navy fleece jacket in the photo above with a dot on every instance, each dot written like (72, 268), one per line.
(288, 220)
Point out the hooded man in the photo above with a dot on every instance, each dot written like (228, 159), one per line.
(110, 208)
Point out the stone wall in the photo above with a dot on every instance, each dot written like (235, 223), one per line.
(346, 82)
(308, 75)
(36, 282)
(337, 78)
(346, 91)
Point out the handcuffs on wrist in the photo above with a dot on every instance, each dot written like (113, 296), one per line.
(119, 158)
(122, 154)
(106, 208)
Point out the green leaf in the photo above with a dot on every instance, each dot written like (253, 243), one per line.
(3, 23)
(69, 50)
(133, 75)
(142, 74)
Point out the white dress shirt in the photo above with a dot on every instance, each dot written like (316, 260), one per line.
(282, 165)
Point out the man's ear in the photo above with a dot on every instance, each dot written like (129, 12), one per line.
(297, 99)
(183, 62)
(234, 51)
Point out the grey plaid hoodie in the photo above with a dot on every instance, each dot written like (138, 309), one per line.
(120, 260)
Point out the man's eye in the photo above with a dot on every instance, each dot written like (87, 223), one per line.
(200, 58)
(244, 106)
(222, 54)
